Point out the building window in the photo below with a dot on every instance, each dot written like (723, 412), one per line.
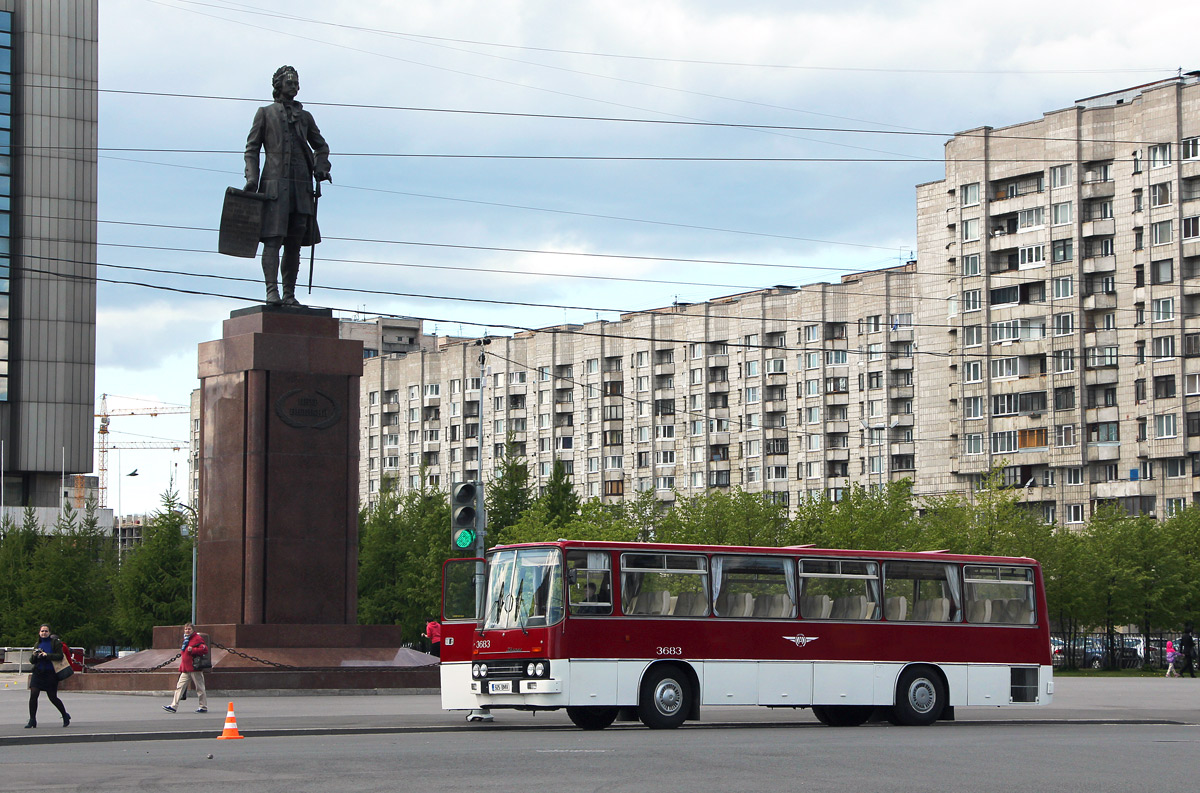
(973, 371)
(971, 300)
(970, 194)
(1160, 155)
(970, 264)
(1060, 176)
(1064, 287)
(1160, 194)
(1074, 513)
(1160, 233)
(1060, 214)
(1063, 251)
(1164, 309)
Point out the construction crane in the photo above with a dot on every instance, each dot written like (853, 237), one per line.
(103, 446)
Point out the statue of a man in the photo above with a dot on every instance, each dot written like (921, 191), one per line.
(296, 155)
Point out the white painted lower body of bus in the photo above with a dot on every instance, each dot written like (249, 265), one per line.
(607, 682)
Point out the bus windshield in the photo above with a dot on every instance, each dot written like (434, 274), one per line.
(524, 589)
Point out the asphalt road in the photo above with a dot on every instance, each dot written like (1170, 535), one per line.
(1100, 735)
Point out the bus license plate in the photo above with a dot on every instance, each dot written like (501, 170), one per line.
(500, 687)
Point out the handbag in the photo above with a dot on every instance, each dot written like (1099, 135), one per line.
(62, 668)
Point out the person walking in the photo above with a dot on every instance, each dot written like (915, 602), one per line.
(1187, 647)
(47, 652)
(193, 647)
(433, 632)
(1171, 657)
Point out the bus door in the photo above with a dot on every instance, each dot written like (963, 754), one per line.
(463, 582)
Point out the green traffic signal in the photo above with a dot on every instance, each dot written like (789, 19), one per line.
(466, 502)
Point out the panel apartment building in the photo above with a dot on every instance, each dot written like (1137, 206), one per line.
(48, 129)
(788, 391)
(1061, 329)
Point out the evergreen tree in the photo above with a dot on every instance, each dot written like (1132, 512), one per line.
(154, 583)
(403, 541)
(509, 494)
(560, 499)
(17, 545)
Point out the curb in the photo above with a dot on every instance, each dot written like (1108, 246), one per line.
(300, 732)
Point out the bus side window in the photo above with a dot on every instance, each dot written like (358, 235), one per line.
(999, 595)
(839, 589)
(589, 582)
(922, 592)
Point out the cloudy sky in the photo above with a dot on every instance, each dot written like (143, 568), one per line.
(567, 160)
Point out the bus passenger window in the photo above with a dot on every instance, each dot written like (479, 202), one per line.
(664, 584)
(922, 592)
(839, 589)
(1001, 595)
(589, 582)
(758, 587)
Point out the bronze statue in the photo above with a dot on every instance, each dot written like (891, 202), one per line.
(296, 156)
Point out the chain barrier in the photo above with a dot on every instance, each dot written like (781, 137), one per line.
(231, 651)
(252, 657)
(97, 670)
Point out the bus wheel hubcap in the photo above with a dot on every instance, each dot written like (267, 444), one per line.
(921, 696)
(667, 696)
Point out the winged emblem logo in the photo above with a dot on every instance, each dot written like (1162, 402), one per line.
(800, 639)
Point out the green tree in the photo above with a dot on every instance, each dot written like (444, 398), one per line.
(561, 501)
(17, 545)
(509, 494)
(69, 585)
(403, 540)
(716, 517)
(154, 583)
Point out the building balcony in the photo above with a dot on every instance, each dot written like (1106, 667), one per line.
(1100, 264)
(1104, 227)
(841, 454)
(901, 392)
(775, 406)
(1105, 376)
(1101, 338)
(664, 368)
(1101, 301)
(718, 387)
(900, 334)
(1103, 451)
(901, 420)
(1191, 247)
(903, 448)
(1109, 413)
(1189, 168)
(719, 360)
(718, 438)
(837, 427)
(901, 364)
(1123, 489)
(837, 398)
(1097, 190)
(1004, 204)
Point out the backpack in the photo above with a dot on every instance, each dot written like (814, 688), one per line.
(202, 662)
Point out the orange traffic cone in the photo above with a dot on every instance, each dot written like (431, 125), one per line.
(231, 731)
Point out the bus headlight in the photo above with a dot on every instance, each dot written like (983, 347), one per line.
(529, 670)
(539, 669)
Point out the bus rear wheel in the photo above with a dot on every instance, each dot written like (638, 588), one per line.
(592, 718)
(842, 715)
(920, 697)
(666, 698)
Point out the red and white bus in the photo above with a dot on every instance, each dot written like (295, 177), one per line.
(600, 628)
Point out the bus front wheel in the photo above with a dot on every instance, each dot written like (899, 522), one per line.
(666, 698)
(592, 718)
(920, 697)
(842, 715)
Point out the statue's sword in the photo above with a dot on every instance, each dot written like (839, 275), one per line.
(312, 251)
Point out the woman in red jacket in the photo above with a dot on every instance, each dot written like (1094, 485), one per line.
(193, 646)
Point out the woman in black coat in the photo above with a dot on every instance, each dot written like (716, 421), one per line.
(48, 651)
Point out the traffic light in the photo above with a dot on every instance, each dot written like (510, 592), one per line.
(466, 514)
